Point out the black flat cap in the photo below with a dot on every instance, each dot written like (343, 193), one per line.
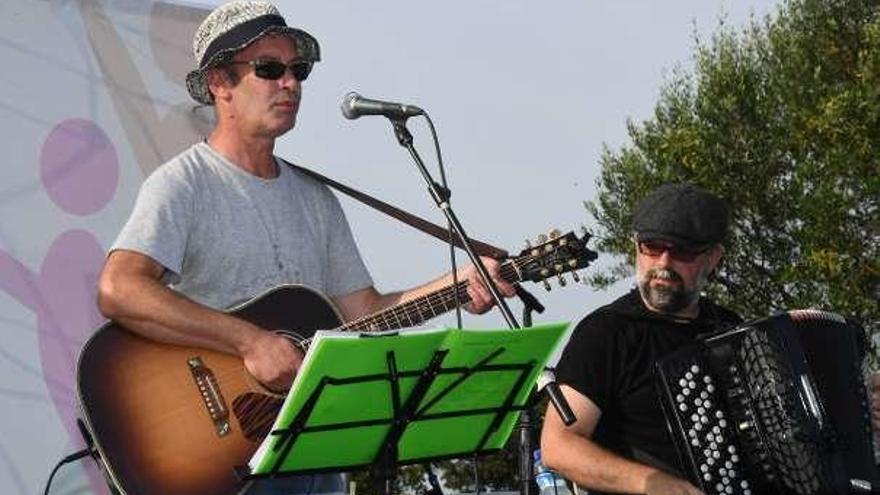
(683, 214)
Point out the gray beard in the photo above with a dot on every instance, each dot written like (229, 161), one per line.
(663, 298)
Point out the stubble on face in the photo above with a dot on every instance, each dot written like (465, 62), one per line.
(672, 294)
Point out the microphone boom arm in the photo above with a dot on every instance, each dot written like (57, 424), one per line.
(441, 198)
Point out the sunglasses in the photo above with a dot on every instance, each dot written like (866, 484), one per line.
(656, 249)
(274, 70)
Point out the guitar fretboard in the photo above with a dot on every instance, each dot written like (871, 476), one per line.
(423, 308)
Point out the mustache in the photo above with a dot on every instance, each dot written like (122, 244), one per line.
(292, 97)
(664, 274)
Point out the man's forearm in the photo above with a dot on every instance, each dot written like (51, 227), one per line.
(589, 465)
(152, 310)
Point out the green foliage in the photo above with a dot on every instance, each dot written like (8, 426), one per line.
(496, 472)
(782, 119)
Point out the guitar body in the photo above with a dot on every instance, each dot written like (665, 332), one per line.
(174, 420)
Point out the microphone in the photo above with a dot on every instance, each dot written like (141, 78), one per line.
(354, 105)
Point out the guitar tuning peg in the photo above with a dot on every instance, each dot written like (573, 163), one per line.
(584, 230)
(575, 277)
(546, 285)
(561, 279)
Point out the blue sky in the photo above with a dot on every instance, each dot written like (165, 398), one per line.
(524, 94)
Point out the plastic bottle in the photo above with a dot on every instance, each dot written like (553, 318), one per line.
(549, 482)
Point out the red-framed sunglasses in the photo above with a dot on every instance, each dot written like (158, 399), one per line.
(656, 248)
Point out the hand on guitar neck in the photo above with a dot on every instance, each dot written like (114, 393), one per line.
(481, 298)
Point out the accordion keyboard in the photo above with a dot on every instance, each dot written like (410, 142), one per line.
(711, 440)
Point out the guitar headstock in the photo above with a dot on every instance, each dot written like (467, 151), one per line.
(553, 255)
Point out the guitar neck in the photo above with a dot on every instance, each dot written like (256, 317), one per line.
(422, 308)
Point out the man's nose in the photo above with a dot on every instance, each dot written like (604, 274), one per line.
(665, 258)
(288, 80)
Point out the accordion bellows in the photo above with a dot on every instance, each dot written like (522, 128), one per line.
(775, 406)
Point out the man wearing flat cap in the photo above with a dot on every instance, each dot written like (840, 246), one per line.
(620, 443)
(226, 220)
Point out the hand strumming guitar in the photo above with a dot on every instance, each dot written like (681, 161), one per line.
(273, 360)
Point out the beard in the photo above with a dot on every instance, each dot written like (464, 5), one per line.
(666, 298)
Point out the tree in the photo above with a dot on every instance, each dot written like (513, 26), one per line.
(782, 119)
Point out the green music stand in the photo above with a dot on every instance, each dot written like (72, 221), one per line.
(403, 398)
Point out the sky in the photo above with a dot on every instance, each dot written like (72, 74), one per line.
(524, 96)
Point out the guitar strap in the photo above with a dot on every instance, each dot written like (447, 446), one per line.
(481, 248)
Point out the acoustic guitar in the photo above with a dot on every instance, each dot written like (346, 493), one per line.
(176, 420)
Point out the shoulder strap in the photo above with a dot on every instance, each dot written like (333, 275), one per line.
(482, 248)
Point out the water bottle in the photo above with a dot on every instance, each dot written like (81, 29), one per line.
(549, 482)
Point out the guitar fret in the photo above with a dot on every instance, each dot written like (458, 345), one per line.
(397, 321)
(423, 308)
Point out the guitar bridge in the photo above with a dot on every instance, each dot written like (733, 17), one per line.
(206, 382)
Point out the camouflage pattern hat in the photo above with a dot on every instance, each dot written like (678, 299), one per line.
(232, 27)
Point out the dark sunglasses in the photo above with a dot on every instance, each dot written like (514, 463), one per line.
(273, 69)
(656, 249)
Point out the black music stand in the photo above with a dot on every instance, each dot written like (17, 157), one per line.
(402, 398)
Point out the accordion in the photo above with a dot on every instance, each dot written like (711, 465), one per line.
(775, 406)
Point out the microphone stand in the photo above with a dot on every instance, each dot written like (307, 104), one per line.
(527, 415)
(441, 198)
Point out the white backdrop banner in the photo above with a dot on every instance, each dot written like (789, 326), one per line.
(91, 100)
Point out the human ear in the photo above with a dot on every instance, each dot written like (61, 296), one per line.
(219, 83)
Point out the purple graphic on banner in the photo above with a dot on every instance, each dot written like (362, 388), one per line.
(79, 167)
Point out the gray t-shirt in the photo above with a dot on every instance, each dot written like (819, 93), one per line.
(225, 235)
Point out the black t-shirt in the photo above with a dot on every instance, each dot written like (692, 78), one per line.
(610, 359)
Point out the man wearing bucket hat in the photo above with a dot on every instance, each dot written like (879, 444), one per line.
(619, 442)
(226, 220)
